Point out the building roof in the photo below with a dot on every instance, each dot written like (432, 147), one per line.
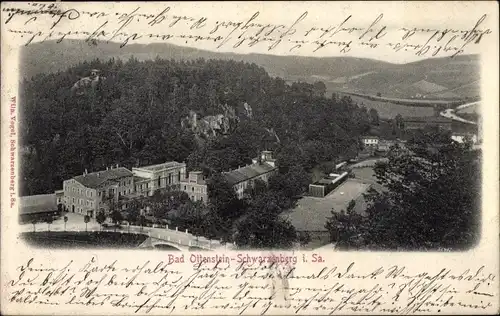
(139, 179)
(248, 172)
(95, 179)
(37, 203)
(370, 136)
(162, 166)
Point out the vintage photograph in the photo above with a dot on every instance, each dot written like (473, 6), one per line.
(165, 147)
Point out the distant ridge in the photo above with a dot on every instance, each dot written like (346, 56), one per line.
(365, 75)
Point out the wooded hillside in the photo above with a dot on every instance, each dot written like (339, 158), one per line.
(133, 117)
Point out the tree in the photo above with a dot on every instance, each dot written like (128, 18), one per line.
(116, 217)
(34, 221)
(142, 221)
(65, 221)
(319, 89)
(190, 216)
(222, 198)
(133, 213)
(431, 202)
(100, 218)
(49, 220)
(290, 184)
(374, 117)
(259, 187)
(86, 219)
(214, 226)
(399, 122)
(264, 231)
(344, 225)
(304, 238)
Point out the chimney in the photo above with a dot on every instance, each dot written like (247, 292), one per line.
(86, 171)
(98, 174)
(107, 168)
(116, 165)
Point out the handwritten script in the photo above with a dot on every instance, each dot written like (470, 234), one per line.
(38, 22)
(249, 287)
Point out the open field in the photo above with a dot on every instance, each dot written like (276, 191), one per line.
(409, 102)
(311, 213)
(388, 110)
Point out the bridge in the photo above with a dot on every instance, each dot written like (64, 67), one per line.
(182, 240)
(153, 242)
(158, 236)
(158, 240)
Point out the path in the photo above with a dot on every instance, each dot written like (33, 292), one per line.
(450, 113)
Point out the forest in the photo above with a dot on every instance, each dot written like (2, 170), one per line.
(132, 117)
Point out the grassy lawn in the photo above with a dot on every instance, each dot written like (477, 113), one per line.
(83, 239)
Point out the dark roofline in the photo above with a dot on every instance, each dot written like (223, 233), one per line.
(250, 178)
(101, 175)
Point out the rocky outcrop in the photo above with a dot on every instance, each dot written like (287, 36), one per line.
(83, 85)
(248, 110)
(272, 135)
(212, 125)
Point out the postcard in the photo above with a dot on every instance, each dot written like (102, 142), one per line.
(249, 158)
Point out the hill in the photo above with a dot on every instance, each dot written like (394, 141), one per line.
(50, 56)
(441, 77)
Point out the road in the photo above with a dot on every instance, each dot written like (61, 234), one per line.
(450, 113)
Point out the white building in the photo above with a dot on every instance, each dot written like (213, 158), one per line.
(148, 179)
(370, 141)
(460, 137)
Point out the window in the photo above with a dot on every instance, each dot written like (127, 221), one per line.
(185, 188)
(192, 189)
(201, 198)
(169, 178)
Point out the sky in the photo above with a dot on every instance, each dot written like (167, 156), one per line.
(296, 18)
